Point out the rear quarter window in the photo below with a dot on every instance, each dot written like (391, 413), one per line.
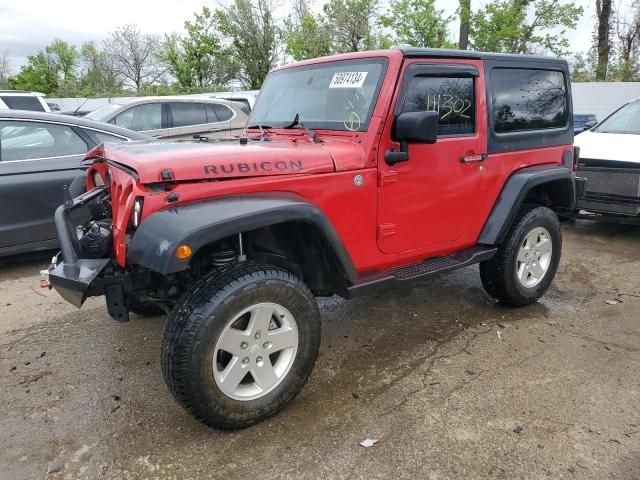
(222, 112)
(528, 99)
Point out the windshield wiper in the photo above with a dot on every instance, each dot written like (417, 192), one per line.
(263, 133)
(296, 121)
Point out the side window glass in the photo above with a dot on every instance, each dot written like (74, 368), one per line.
(23, 103)
(211, 114)
(31, 140)
(105, 137)
(452, 97)
(141, 117)
(223, 112)
(185, 114)
(527, 99)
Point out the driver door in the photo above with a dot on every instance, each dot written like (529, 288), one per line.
(430, 204)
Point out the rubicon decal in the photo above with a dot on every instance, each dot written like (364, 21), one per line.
(265, 167)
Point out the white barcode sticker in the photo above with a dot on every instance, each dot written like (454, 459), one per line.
(348, 79)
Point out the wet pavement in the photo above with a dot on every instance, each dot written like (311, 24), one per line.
(451, 384)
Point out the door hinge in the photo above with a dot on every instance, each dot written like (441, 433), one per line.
(387, 177)
(386, 230)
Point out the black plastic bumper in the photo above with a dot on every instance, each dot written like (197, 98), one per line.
(73, 277)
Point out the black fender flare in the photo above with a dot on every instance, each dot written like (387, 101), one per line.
(514, 193)
(154, 243)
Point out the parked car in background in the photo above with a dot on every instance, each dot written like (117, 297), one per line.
(247, 97)
(23, 100)
(583, 122)
(40, 153)
(177, 118)
(53, 107)
(610, 162)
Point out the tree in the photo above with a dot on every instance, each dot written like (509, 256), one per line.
(418, 23)
(5, 70)
(197, 59)
(465, 15)
(135, 55)
(583, 66)
(524, 26)
(99, 76)
(350, 23)
(603, 13)
(65, 56)
(251, 28)
(306, 36)
(40, 74)
(173, 55)
(628, 36)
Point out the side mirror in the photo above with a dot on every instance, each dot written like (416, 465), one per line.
(418, 127)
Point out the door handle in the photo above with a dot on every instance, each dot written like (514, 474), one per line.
(474, 157)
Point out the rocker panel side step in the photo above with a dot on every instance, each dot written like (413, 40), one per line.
(430, 266)
(444, 264)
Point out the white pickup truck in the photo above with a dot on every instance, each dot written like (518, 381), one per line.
(610, 162)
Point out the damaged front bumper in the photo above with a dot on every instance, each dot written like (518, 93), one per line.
(74, 277)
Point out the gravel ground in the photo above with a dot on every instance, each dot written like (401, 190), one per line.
(451, 384)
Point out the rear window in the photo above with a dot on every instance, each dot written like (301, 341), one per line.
(23, 103)
(528, 99)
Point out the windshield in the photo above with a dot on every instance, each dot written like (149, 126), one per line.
(336, 95)
(625, 120)
(101, 114)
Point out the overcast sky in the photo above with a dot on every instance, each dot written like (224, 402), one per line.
(26, 26)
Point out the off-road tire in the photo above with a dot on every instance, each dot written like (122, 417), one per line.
(499, 276)
(196, 323)
(142, 308)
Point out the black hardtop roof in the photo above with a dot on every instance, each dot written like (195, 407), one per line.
(413, 52)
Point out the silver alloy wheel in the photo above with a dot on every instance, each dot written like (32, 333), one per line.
(534, 257)
(255, 351)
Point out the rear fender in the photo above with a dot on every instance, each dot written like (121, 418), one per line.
(558, 180)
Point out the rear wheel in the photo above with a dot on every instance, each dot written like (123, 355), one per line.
(526, 262)
(241, 345)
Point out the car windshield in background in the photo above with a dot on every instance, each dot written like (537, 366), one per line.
(102, 113)
(625, 120)
(337, 95)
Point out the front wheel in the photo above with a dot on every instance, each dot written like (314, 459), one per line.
(526, 262)
(241, 345)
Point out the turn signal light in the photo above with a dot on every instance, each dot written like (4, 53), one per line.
(183, 252)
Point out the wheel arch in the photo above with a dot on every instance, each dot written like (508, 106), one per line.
(552, 186)
(268, 220)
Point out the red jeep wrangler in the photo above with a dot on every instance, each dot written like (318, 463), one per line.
(355, 172)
